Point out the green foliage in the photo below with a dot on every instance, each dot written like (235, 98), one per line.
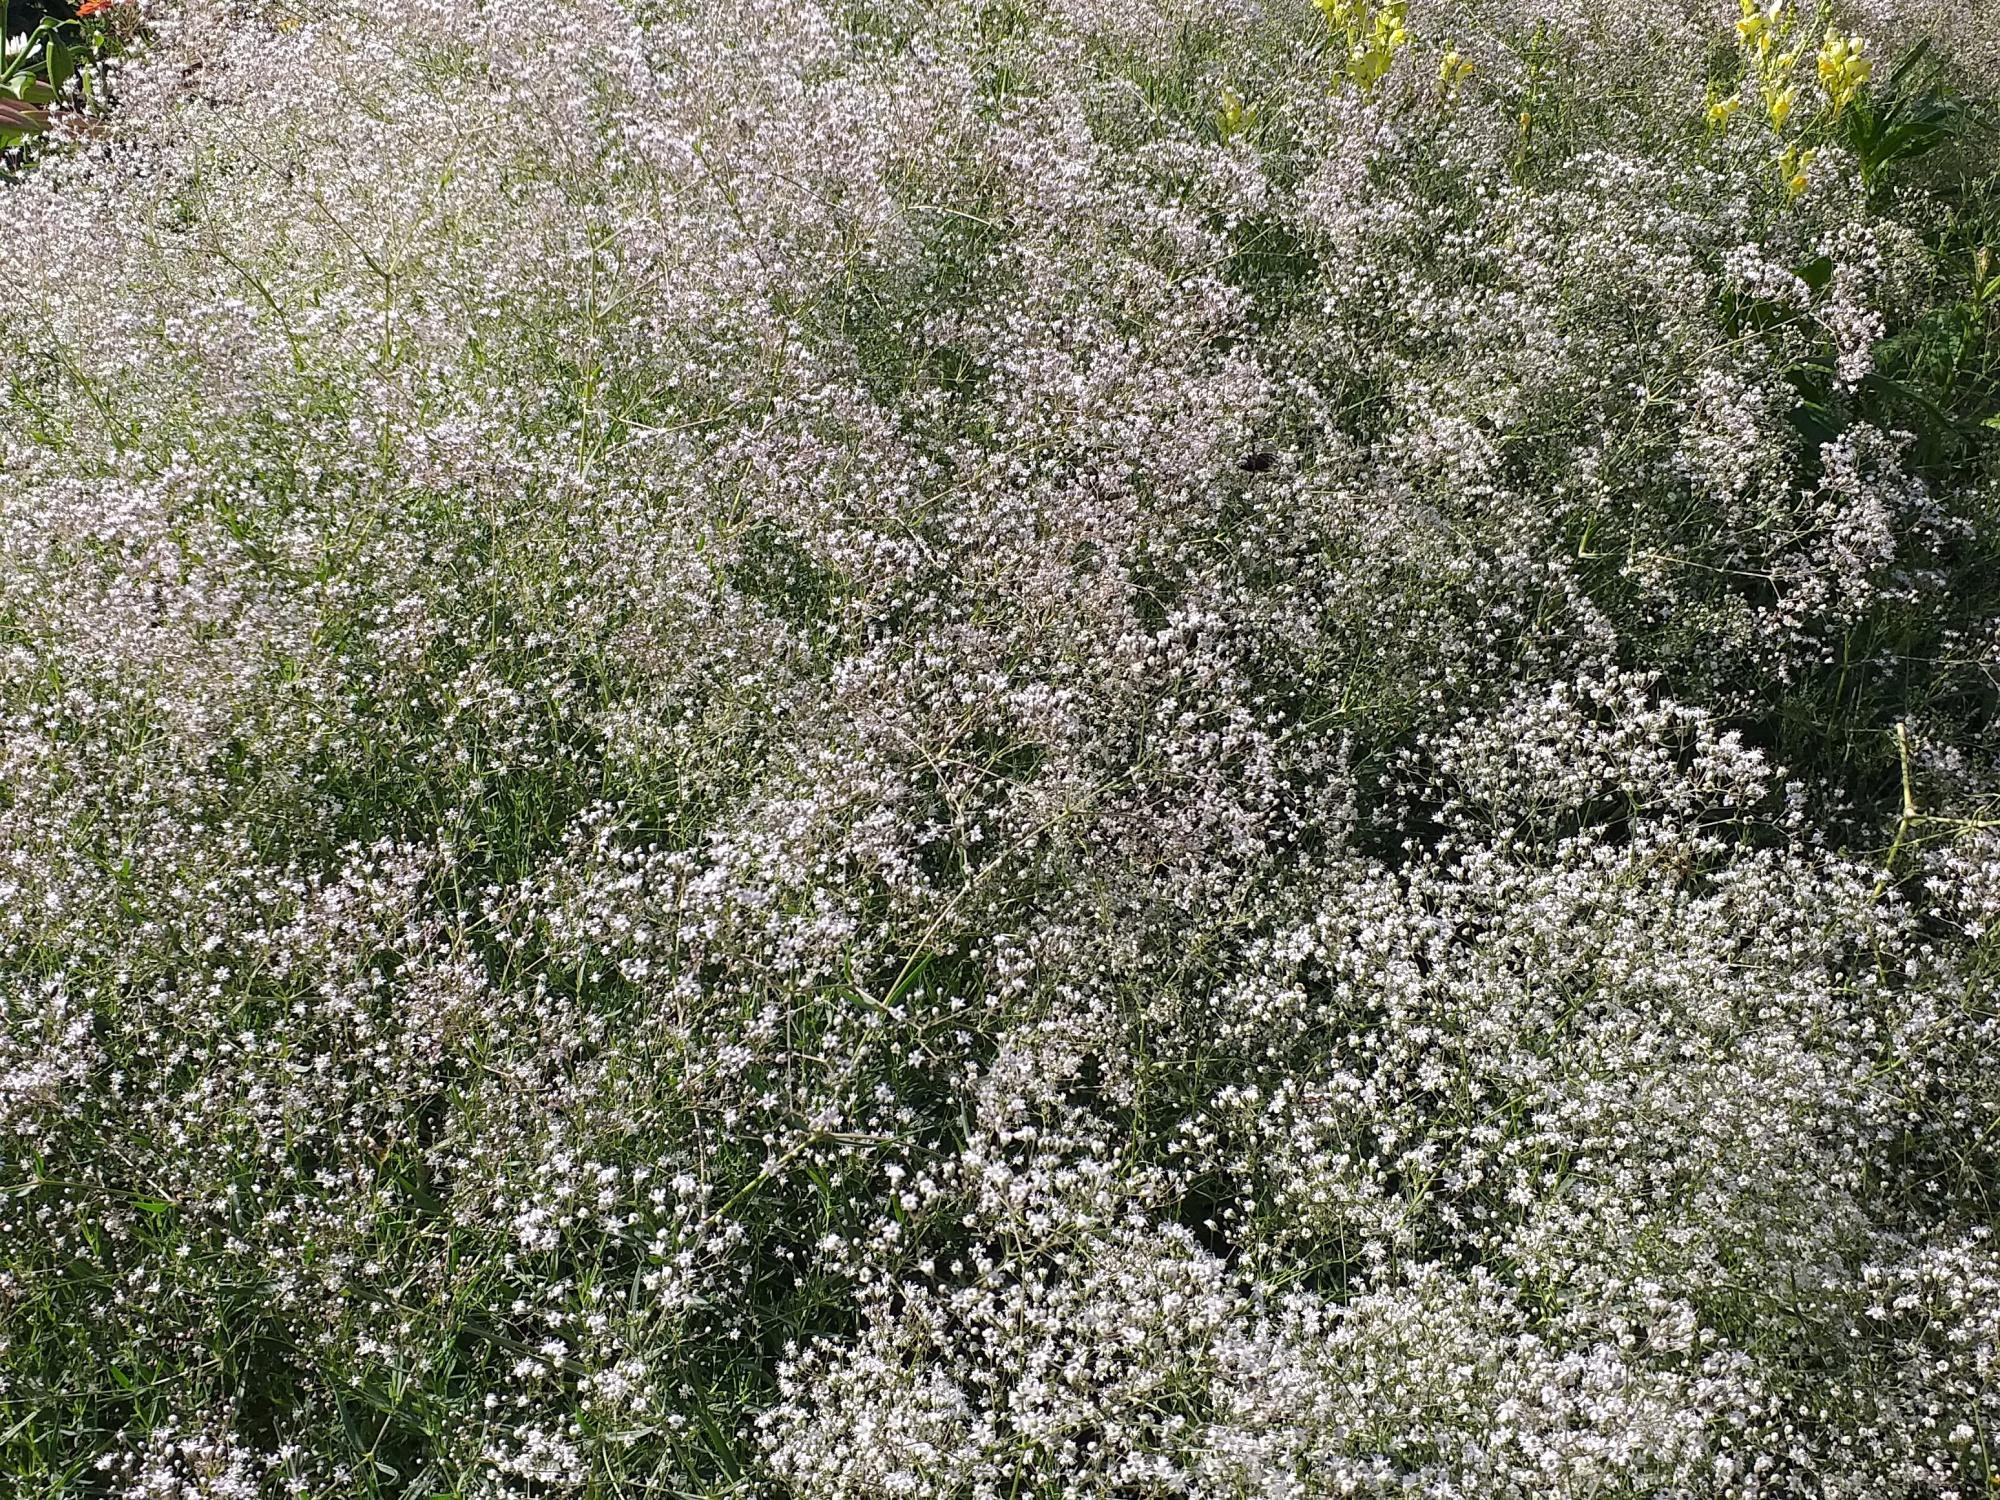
(56, 66)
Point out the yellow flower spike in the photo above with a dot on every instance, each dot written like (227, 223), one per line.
(1843, 68)
(1373, 34)
(1763, 29)
(1453, 70)
(1723, 111)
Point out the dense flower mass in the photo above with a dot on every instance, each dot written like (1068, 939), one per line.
(982, 749)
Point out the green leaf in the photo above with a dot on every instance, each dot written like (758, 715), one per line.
(60, 65)
(19, 120)
(1908, 61)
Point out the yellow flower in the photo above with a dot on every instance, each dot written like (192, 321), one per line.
(1793, 167)
(1234, 117)
(1780, 102)
(1723, 111)
(1373, 34)
(1453, 70)
(1843, 68)
(1764, 28)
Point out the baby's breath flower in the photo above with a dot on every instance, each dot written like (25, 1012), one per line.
(888, 751)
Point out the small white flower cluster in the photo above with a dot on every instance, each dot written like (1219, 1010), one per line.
(997, 748)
